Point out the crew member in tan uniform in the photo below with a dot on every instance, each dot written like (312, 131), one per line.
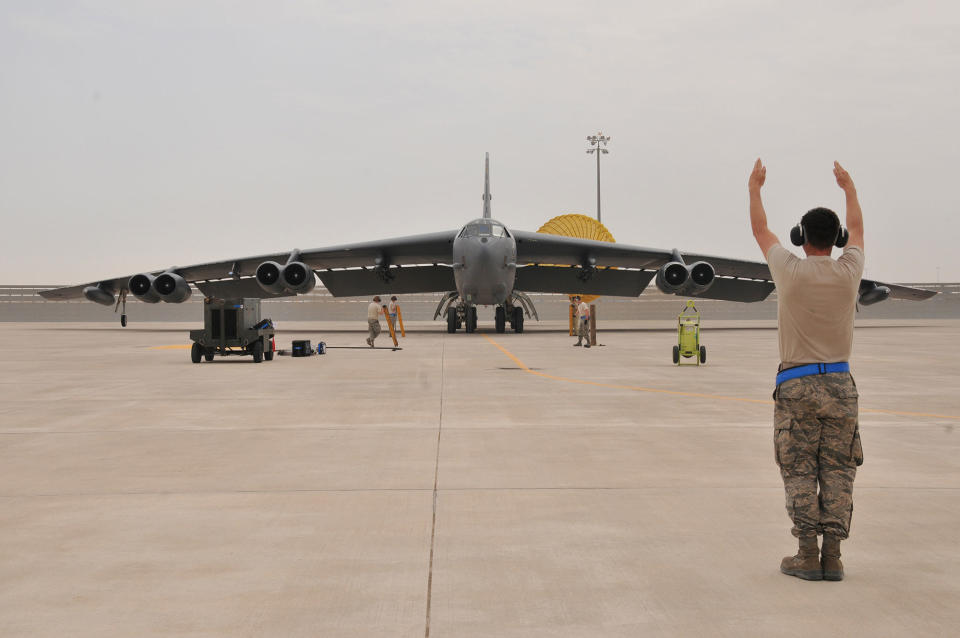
(583, 322)
(816, 433)
(373, 320)
(392, 306)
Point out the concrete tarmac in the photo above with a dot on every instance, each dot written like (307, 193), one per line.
(468, 485)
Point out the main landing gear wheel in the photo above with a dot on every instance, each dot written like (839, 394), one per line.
(451, 320)
(703, 354)
(517, 323)
(500, 319)
(257, 352)
(676, 354)
(471, 319)
(195, 352)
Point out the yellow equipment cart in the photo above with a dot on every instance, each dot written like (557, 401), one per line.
(688, 336)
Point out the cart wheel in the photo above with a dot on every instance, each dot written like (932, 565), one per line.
(703, 354)
(257, 352)
(268, 355)
(195, 352)
(208, 355)
(676, 354)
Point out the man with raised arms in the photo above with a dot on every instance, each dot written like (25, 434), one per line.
(816, 433)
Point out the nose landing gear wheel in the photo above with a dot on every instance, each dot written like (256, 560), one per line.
(500, 319)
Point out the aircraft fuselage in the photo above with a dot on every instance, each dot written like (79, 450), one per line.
(484, 262)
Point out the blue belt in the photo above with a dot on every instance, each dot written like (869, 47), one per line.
(811, 368)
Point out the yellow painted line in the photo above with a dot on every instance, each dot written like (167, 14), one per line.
(715, 397)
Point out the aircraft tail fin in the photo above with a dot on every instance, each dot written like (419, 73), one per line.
(486, 187)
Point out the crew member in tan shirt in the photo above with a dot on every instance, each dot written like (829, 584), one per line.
(816, 433)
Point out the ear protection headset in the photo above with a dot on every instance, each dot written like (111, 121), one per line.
(798, 237)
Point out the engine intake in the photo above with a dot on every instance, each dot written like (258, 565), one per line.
(142, 288)
(874, 294)
(298, 277)
(99, 295)
(295, 278)
(677, 278)
(172, 288)
(702, 275)
(671, 277)
(268, 276)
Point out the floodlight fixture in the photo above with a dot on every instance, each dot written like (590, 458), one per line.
(597, 143)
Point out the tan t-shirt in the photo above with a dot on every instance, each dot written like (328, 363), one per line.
(816, 302)
(583, 310)
(373, 311)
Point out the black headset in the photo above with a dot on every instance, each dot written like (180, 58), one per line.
(798, 237)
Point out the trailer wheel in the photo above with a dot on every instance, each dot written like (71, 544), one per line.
(703, 354)
(208, 355)
(676, 354)
(257, 352)
(195, 352)
(268, 355)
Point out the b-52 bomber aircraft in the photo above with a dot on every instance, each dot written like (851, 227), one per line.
(482, 264)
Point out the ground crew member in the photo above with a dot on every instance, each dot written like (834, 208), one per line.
(392, 309)
(583, 321)
(373, 320)
(816, 434)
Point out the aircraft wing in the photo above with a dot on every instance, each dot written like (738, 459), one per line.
(431, 252)
(538, 254)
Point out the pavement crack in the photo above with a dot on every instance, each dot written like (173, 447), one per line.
(436, 476)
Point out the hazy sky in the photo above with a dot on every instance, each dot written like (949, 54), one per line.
(142, 135)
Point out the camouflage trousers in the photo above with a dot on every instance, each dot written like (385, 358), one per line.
(817, 445)
(583, 330)
(374, 325)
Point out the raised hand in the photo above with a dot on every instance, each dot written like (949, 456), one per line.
(844, 180)
(758, 176)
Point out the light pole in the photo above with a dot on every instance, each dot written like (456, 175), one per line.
(595, 143)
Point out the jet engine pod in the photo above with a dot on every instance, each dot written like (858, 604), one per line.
(268, 276)
(874, 294)
(297, 277)
(172, 288)
(702, 275)
(672, 277)
(142, 288)
(98, 295)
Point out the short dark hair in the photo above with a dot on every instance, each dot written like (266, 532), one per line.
(820, 227)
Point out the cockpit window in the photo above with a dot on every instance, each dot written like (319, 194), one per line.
(484, 228)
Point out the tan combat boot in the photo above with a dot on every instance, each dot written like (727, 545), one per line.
(806, 564)
(832, 567)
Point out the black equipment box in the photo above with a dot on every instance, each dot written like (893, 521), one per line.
(302, 348)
